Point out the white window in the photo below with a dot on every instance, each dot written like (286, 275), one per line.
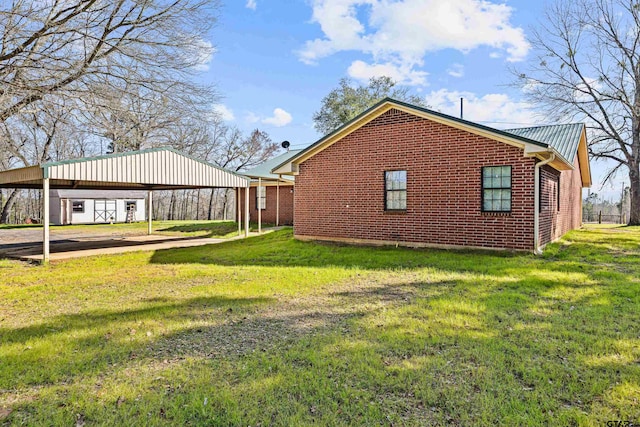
(261, 197)
(496, 189)
(395, 190)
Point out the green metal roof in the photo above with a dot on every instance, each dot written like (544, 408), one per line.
(264, 170)
(564, 138)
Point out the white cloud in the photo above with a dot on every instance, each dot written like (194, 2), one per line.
(360, 70)
(280, 118)
(224, 112)
(203, 51)
(493, 109)
(402, 32)
(251, 4)
(251, 117)
(456, 70)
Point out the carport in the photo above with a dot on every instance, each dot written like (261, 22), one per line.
(150, 170)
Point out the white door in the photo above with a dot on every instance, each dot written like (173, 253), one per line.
(105, 211)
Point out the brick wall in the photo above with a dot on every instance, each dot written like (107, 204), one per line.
(269, 213)
(340, 191)
(557, 220)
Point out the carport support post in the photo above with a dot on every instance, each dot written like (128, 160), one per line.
(238, 211)
(150, 212)
(259, 203)
(278, 201)
(45, 221)
(246, 212)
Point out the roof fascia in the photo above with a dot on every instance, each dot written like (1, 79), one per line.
(583, 159)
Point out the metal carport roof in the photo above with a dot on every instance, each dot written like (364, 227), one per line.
(152, 169)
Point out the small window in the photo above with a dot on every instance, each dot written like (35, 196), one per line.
(77, 206)
(395, 190)
(261, 197)
(496, 189)
(131, 205)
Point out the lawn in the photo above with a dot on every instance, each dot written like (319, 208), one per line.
(272, 331)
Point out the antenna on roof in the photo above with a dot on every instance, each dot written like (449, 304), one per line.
(462, 108)
(286, 145)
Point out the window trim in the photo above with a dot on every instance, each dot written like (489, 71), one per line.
(386, 191)
(261, 206)
(510, 188)
(129, 202)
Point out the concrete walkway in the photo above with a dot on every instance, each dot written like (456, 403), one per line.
(66, 248)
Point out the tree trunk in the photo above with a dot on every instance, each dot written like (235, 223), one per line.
(198, 205)
(172, 206)
(634, 193)
(210, 212)
(225, 201)
(4, 216)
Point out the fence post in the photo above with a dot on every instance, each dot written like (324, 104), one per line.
(600, 217)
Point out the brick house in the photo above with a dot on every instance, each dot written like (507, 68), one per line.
(272, 192)
(401, 174)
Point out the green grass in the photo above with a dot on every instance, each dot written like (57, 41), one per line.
(182, 228)
(273, 331)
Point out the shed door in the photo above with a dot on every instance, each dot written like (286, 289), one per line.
(105, 211)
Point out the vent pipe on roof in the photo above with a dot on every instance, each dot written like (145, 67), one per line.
(286, 145)
(462, 108)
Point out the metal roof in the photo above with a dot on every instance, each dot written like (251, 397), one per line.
(564, 138)
(264, 170)
(153, 169)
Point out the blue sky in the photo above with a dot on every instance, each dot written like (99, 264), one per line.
(276, 60)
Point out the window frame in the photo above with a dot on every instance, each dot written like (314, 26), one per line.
(127, 203)
(259, 198)
(82, 204)
(510, 188)
(397, 190)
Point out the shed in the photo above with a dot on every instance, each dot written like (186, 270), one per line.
(148, 170)
(97, 206)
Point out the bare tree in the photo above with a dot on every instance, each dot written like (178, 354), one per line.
(64, 47)
(134, 117)
(231, 150)
(587, 67)
(77, 74)
(30, 138)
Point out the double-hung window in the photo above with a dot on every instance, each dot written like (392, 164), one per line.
(395, 190)
(261, 197)
(496, 189)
